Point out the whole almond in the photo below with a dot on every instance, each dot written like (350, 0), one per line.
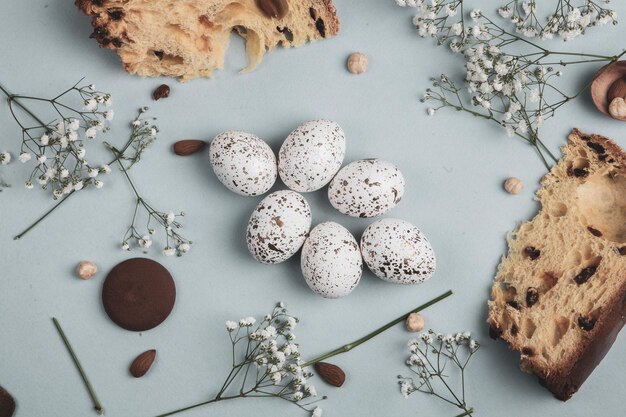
(331, 374)
(273, 8)
(162, 91)
(188, 146)
(617, 89)
(142, 363)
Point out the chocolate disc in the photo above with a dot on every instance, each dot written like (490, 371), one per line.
(138, 294)
(7, 403)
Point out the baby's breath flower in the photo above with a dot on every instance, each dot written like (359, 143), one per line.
(5, 158)
(168, 251)
(427, 361)
(145, 241)
(91, 104)
(29, 185)
(25, 157)
(317, 412)
(231, 326)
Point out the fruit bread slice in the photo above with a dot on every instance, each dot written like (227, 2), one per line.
(189, 38)
(559, 296)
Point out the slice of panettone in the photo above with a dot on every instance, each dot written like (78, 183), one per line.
(559, 297)
(189, 38)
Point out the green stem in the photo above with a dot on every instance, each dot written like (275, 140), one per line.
(42, 217)
(350, 346)
(11, 98)
(180, 410)
(90, 389)
(466, 413)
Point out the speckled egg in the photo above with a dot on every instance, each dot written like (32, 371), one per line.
(278, 227)
(243, 162)
(396, 251)
(331, 261)
(366, 188)
(311, 155)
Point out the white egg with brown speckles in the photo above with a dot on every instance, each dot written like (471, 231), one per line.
(243, 162)
(366, 188)
(278, 227)
(311, 155)
(396, 251)
(331, 261)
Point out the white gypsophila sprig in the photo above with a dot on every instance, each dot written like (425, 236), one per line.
(57, 150)
(429, 356)
(509, 79)
(568, 20)
(57, 153)
(266, 363)
(146, 218)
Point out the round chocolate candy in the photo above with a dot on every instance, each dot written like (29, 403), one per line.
(138, 294)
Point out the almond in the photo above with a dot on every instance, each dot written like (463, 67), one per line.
(188, 146)
(142, 363)
(331, 374)
(617, 89)
(162, 91)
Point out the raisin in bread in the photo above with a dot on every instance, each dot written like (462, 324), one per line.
(188, 38)
(559, 296)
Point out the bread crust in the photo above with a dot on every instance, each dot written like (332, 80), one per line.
(189, 38)
(564, 376)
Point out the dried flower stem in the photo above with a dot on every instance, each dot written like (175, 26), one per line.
(348, 347)
(68, 346)
(269, 365)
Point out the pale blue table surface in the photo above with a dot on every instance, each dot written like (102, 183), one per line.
(454, 166)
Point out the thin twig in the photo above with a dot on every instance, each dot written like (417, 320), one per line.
(68, 346)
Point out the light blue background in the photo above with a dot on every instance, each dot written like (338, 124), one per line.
(454, 166)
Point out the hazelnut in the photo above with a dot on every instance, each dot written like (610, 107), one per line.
(617, 108)
(357, 63)
(86, 270)
(513, 185)
(415, 322)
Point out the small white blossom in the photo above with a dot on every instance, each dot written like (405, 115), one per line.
(168, 251)
(98, 184)
(91, 132)
(145, 242)
(317, 412)
(91, 104)
(231, 326)
(28, 185)
(5, 158)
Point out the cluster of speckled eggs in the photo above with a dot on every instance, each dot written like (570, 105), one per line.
(309, 159)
